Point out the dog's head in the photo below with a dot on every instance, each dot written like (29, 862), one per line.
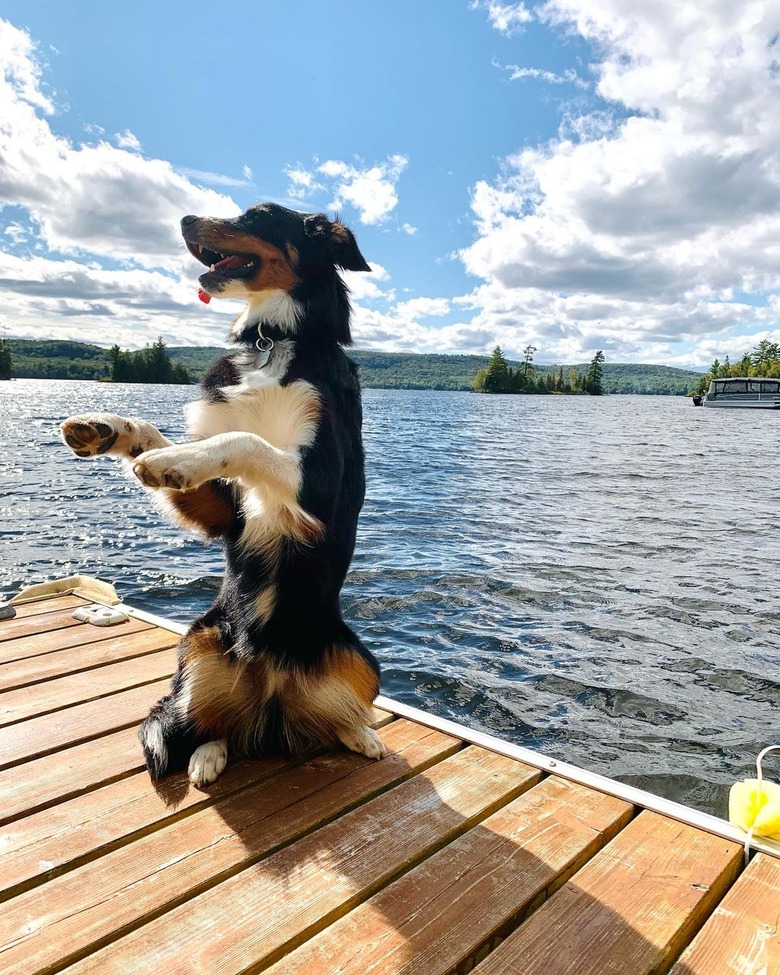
(271, 252)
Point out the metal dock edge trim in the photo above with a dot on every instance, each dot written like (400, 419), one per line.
(629, 793)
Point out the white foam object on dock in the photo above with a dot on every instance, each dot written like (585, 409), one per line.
(99, 615)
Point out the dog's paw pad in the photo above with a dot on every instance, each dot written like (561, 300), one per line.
(175, 479)
(88, 438)
(364, 741)
(208, 763)
(169, 467)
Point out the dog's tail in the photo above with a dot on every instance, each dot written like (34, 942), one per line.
(167, 740)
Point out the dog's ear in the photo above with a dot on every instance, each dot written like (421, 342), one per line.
(337, 241)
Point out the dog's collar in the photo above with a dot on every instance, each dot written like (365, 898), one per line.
(265, 348)
(250, 333)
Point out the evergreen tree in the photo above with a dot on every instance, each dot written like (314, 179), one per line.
(528, 358)
(496, 377)
(764, 353)
(6, 363)
(595, 378)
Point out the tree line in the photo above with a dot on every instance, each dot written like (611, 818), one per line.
(149, 365)
(6, 362)
(499, 377)
(763, 360)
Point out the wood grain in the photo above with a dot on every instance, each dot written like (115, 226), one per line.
(64, 692)
(37, 645)
(439, 916)
(743, 935)
(54, 778)
(44, 844)
(40, 623)
(630, 910)
(37, 736)
(79, 910)
(109, 650)
(48, 606)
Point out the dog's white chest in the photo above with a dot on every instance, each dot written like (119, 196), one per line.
(284, 416)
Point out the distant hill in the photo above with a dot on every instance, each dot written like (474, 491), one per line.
(411, 370)
(384, 370)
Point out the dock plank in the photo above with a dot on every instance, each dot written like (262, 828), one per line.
(275, 904)
(439, 916)
(441, 858)
(47, 781)
(48, 605)
(63, 692)
(51, 732)
(630, 910)
(111, 649)
(78, 911)
(42, 782)
(743, 935)
(39, 623)
(38, 645)
(43, 845)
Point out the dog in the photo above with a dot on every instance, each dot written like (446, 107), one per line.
(275, 469)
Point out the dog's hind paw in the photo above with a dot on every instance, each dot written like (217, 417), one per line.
(364, 741)
(208, 763)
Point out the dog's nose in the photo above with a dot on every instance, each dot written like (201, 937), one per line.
(186, 221)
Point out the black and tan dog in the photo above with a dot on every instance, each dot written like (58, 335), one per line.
(275, 469)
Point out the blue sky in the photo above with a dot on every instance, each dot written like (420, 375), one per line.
(574, 174)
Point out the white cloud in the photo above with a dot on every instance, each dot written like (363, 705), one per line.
(569, 77)
(371, 190)
(507, 18)
(648, 226)
(302, 182)
(657, 213)
(365, 287)
(407, 228)
(90, 198)
(218, 179)
(423, 307)
(16, 232)
(126, 140)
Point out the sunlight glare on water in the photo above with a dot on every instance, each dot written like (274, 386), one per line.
(594, 578)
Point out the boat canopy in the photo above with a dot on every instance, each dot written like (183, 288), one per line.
(743, 384)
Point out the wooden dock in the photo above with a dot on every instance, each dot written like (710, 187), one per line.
(443, 857)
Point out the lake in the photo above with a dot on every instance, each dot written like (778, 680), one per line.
(596, 578)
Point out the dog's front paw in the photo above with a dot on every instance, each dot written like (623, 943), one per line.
(95, 433)
(208, 763)
(179, 468)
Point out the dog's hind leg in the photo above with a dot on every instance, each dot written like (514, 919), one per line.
(363, 740)
(335, 704)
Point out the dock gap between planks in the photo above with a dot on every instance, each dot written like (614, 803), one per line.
(443, 857)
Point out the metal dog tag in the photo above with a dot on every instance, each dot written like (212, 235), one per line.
(264, 347)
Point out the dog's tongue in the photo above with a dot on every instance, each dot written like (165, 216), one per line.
(204, 296)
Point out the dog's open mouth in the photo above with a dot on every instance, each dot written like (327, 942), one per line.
(228, 265)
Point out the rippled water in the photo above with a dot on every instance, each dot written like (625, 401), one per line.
(595, 578)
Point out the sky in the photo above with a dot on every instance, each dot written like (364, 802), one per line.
(570, 174)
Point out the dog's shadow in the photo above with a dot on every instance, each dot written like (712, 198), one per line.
(387, 859)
